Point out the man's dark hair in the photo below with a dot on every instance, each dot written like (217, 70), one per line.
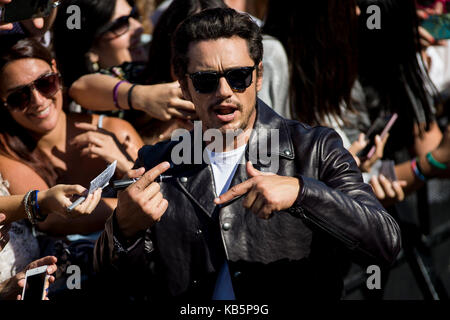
(212, 24)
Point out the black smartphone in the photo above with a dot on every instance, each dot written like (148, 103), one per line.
(19, 10)
(381, 127)
(438, 26)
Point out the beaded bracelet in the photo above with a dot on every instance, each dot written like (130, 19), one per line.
(129, 96)
(435, 163)
(416, 170)
(26, 205)
(115, 92)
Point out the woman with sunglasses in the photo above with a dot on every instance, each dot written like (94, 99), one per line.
(35, 143)
(155, 92)
(36, 134)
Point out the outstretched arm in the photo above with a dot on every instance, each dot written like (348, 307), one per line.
(22, 179)
(161, 101)
(55, 200)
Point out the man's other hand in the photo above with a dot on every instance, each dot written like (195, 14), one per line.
(267, 192)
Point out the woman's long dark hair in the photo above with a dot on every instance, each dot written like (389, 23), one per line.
(320, 40)
(389, 62)
(158, 68)
(15, 142)
(72, 45)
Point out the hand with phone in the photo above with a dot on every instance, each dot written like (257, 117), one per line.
(359, 145)
(36, 16)
(13, 288)
(368, 149)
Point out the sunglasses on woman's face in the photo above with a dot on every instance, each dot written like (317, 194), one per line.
(238, 79)
(20, 99)
(119, 26)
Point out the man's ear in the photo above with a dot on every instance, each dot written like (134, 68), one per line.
(259, 76)
(185, 89)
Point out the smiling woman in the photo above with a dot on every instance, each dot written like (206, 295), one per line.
(39, 144)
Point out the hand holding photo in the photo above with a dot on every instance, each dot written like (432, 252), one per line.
(101, 181)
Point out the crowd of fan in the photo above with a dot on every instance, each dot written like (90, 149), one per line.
(74, 100)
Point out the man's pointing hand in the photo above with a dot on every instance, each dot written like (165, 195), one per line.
(266, 192)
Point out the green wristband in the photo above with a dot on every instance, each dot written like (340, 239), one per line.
(435, 163)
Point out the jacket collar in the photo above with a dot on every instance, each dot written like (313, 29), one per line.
(271, 126)
(197, 181)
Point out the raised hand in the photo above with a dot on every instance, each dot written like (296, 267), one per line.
(30, 24)
(266, 192)
(163, 101)
(141, 204)
(358, 145)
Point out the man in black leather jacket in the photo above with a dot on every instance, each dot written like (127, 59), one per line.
(281, 229)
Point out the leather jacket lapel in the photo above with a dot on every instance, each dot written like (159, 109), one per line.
(198, 184)
(270, 139)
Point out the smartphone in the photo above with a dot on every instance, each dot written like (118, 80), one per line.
(19, 10)
(36, 284)
(438, 26)
(381, 127)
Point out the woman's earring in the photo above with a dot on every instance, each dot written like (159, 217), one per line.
(92, 61)
(95, 66)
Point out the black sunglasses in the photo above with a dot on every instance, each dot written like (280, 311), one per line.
(20, 99)
(238, 79)
(119, 26)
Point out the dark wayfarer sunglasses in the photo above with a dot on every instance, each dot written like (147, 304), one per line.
(239, 79)
(48, 85)
(119, 26)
